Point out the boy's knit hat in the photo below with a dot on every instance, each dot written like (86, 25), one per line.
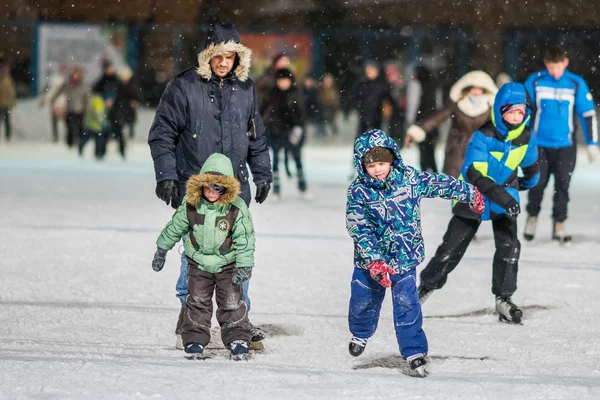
(522, 107)
(378, 154)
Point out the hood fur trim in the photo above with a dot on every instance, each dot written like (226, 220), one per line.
(472, 110)
(473, 78)
(193, 188)
(244, 58)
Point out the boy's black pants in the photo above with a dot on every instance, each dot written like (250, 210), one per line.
(5, 117)
(427, 150)
(560, 163)
(459, 234)
(74, 128)
(232, 313)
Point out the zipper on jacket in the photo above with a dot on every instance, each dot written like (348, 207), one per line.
(221, 84)
(254, 127)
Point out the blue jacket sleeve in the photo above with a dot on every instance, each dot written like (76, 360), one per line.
(530, 166)
(446, 187)
(475, 171)
(357, 225)
(169, 122)
(586, 111)
(258, 151)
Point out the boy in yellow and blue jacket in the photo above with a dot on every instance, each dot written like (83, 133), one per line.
(494, 155)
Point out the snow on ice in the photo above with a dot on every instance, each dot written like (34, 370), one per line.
(84, 316)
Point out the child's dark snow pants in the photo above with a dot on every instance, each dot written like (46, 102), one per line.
(459, 234)
(232, 313)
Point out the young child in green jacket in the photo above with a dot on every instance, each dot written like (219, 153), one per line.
(220, 253)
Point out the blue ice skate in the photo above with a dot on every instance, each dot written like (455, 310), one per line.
(239, 350)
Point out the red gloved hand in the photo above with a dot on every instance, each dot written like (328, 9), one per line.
(379, 271)
(477, 205)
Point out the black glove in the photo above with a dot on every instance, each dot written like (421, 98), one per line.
(168, 191)
(242, 275)
(262, 191)
(158, 262)
(513, 209)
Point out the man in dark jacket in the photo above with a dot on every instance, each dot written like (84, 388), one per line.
(205, 110)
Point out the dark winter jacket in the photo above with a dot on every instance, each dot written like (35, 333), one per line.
(122, 111)
(383, 217)
(368, 97)
(107, 86)
(282, 110)
(494, 155)
(200, 114)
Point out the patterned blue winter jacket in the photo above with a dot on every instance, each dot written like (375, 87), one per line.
(495, 154)
(383, 217)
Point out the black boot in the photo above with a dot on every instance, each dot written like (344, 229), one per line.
(424, 293)
(508, 311)
(357, 346)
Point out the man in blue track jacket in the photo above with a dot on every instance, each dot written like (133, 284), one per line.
(557, 95)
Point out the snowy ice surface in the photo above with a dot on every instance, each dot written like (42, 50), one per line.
(85, 317)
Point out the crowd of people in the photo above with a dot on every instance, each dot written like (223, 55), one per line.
(98, 112)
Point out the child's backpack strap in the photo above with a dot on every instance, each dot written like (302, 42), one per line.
(230, 219)
(194, 218)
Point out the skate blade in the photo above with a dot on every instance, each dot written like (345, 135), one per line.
(197, 357)
(563, 240)
(257, 346)
(241, 357)
(420, 372)
(505, 320)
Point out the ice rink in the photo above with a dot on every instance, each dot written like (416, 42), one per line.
(84, 316)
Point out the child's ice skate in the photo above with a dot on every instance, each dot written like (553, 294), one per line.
(257, 336)
(530, 226)
(178, 329)
(558, 232)
(239, 350)
(424, 293)
(418, 365)
(195, 351)
(178, 342)
(357, 346)
(507, 311)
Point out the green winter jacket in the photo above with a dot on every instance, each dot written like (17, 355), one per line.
(220, 233)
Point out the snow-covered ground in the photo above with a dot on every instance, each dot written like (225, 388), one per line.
(85, 317)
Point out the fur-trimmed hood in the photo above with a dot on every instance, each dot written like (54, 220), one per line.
(224, 38)
(217, 169)
(459, 91)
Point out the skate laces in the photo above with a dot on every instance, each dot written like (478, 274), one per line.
(359, 341)
(237, 343)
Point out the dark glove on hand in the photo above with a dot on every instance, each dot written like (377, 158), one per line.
(512, 209)
(167, 191)
(262, 191)
(242, 275)
(159, 259)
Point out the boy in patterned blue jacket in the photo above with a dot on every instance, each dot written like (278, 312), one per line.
(494, 155)
(383, 219)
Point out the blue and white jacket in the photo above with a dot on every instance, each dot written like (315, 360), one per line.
(383, 217)
(495, 154)
(555, 102)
